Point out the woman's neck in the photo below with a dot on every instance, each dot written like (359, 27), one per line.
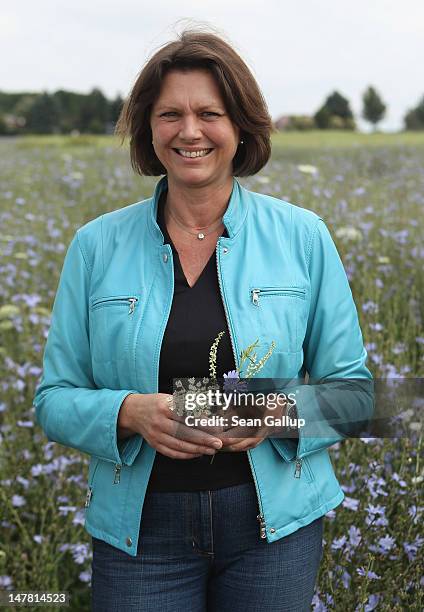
(198, 207)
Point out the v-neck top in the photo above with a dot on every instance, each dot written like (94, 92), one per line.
(197, 316)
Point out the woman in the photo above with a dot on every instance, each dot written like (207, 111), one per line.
(143, 292)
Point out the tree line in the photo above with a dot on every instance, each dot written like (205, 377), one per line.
(65, 112)
(336, 113)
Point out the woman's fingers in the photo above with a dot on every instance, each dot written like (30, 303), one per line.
(240, 444)
(182, 449)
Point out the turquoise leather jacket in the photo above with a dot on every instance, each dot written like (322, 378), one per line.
(281, 279)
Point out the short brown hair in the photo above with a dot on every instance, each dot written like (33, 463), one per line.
(242, 97)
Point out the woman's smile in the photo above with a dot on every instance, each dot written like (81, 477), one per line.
(189, 155)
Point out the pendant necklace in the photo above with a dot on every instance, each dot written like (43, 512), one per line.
(199, 235)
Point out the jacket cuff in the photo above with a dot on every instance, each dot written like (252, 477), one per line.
(125, 449)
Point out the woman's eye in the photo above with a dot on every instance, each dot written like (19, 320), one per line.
(211, 113)
(168, 113)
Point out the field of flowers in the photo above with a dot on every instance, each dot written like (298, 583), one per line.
(370, 191)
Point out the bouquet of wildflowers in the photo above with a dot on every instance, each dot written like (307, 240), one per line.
(249, 366)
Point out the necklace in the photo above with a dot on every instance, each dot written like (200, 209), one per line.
(199, 235)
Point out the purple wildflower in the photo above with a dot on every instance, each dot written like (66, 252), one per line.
(397, 478)
(64, 510)
(232, 382)
(5, 582)
(23, 481)
(25, 423)
(354, 536)
(351, 503)
(372, 602)
(18, 501)
(317, 604)
(370, 307)
(411, 549)
(338, 543)
(346, 578)
(80, 552)
(363, 572)
(85, 576)
(386, 544)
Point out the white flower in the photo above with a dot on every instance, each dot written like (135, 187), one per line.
(8, 310)
(350, 233)
(417, 479)
(306, 169)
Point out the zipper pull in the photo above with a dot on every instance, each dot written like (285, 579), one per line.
(298, 468)
(255, 296)
(132, 304)
(88, 497)
(262, 526)
(117, 478)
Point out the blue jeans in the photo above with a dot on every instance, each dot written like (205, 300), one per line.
(201, 551)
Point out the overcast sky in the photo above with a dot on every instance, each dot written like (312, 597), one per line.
(299, 51)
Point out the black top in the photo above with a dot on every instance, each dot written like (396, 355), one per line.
(197, 316)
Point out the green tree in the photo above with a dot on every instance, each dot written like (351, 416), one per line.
(322, 118)
(22, 109)
(338, 106)
(335, 112)
(414, 118)
(94, 113)
(70, 104)
(373, 109)
(3, 126)
(115, 108)
(42, 115)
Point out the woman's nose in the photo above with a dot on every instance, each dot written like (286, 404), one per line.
(189, 128)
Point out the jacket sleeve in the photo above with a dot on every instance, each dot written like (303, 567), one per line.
(69, 407)
(338, 400)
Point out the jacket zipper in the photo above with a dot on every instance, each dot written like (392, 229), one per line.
(255, 293)
(132, 301)
(90, 487)
(298, 468)
(260, 517)
(117, 478)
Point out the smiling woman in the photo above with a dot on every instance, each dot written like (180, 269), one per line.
(143, 293)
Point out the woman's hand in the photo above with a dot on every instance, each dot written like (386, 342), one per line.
(254, 435)
(150, 414)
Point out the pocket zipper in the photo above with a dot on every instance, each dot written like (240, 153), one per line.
(267, 291)
(89, 494)
(303, 463)
(109, 301)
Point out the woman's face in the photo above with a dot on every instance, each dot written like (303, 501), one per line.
(190, 115)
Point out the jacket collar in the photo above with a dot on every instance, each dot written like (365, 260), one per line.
(233, 219)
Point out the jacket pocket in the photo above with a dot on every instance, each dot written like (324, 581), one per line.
(262, 292)
(281, 313)
(112, 325)
(130, 301)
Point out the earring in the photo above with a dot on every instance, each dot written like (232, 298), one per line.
(241, 141)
